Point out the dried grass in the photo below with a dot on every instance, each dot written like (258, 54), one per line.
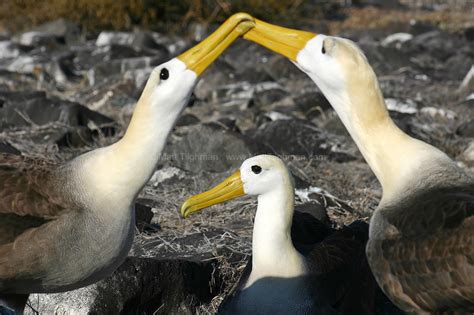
(126, 14)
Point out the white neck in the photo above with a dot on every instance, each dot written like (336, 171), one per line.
(122, 169)
(393, 156)
(273, 253)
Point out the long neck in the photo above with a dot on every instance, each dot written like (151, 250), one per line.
(139, 150)
(273, 253)
(125, 167)
(393, 156)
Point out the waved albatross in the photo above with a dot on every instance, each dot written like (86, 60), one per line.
(421, 241)
(323, 272)
(66, 226)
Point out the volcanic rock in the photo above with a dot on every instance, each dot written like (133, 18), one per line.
(138, 286)
(208, 147)
(6, 147)
(299, 139)
(70, 122)
(466, 129)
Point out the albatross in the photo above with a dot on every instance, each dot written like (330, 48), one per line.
(325, 273)
(421, 240)
(65, 226)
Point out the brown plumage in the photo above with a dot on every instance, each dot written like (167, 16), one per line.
(425, 261)
(30, 201)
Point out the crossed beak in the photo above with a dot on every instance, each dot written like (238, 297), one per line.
(232, 187)
(203, 54)
(285, 41)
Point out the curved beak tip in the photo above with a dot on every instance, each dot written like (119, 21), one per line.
(199, 57)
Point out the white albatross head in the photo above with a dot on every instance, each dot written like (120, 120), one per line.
(341, 71)
(337, 65)
(171, 83)
(258, 175)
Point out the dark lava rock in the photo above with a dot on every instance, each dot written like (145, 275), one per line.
(280, 67)
(71, 123)
(307, 229)
(33, 39)
(138, 286)
(144, 40)
(469, 33)
(114, 52)
(23, 108)
(385, 59)
(249, 61)
(440, 45)
(420, 27)
(6, 147)
(104, 70)
(208, 147)
(315, 209)
(63, 30)
(297, 138)
(312, 104)
(187, 120)
(272, 94)
(143, 214)
(466, 129)
(388, 4)
(138, 40)
(142, 43)
(458, 65)
(219, 73)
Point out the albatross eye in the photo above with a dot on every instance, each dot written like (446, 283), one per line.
(323, 50)
(164, 74)
(256, 169)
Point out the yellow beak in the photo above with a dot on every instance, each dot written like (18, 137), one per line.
(203, 54)
(230, 188)
(285, 41)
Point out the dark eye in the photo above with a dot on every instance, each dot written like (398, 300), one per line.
(323, 50)
(164, 74)
(256, 169)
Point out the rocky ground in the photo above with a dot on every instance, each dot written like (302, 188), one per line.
(63, 93)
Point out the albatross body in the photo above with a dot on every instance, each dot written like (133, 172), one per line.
(421, 243)
(66, 226)
(326, 273)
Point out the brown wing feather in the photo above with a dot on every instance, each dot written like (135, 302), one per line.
(429, 263)
(29, 195)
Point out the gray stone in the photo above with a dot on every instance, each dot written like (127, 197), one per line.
(208, 147)
(297, 139)
(312, 104)
(139, 41)
(63, 30)
(8, 50)
(130, 67)
(6, 147)
(143, 214)
(107, 38)
(466, 129)
(468, 155)
(36, 39)
(69, 124)
(138, 286)
(315, 209)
